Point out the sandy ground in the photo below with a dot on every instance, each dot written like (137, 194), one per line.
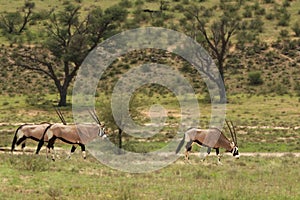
(31, 150)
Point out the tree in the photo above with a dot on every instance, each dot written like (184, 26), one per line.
(70, 37)
(215, 33)
(15, 22)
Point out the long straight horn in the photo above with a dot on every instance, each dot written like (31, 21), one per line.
(230, 130)
(61, 117)
(94, 116)
(234, 133)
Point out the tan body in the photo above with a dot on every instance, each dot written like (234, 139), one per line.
(73, 134)
(210, 138)
(213, 138)
(32, 131)
(79, 134)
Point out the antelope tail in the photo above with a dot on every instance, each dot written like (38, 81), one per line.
(180, 144)
(15, 138)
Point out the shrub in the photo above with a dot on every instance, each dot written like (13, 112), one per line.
(125, 4)
(270, 16)
(280, 89)
(260, 11)
(284, 19)
(247, 13)
(256, 24)
(284, 33)
(268, 1)
(255, 78)
(286, 3)
(296, 29)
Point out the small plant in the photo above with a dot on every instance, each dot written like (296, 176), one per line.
(284, 19)
(5, 103)
(29, 163)
(270, 16)
(255, 78)
(296, 29)
(268, 1)
(54, 193)
(248, 12)
(284, 33)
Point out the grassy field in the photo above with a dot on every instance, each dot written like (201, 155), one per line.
(266, 116)
(264, 123)
(34, 177)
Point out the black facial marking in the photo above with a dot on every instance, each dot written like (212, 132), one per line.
(235, 151)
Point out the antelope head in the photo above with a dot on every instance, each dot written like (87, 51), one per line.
(234, 144)
(102, 132)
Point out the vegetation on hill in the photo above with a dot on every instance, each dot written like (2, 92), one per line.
(261, 56)
(261, 74)
(267, 39)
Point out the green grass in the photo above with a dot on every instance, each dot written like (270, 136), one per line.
(259, 121)
(34, 177)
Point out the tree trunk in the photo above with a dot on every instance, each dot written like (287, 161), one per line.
(62, 97)
(120, 140)
(222, 95)
(221, 81)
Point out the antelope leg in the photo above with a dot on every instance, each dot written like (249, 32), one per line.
(219, 157)
(207, 153)
(72, 151)
(188, 147)
(83, 150)
(23, 147)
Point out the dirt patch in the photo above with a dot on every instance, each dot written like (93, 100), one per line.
(246, 154)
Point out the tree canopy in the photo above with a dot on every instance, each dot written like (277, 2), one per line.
(69, 38)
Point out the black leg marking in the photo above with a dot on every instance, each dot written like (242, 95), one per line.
(208, 150)
(188, 147)
(82, 147)
(83, 150)
(73, 149)
(41, 143)
(23, 145)
(20, 140)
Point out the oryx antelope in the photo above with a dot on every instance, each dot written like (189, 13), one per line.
(32, 131)
(210, 138)
(75, 134)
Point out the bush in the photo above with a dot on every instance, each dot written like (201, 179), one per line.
(284, 33)
(29, 163)
(255, 78)
(247, 13)
(296, 29)
(270, 16)
(125, 4)
(268, 1)
(284, 19)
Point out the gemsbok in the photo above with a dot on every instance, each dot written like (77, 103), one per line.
(75, 134)
(210, 138)
(34, 132)
(31, 131)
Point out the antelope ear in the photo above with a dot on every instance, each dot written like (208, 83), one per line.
(232, 144)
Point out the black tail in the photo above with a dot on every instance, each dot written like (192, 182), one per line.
(41, 142)
(180, 144)
(15, 138)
